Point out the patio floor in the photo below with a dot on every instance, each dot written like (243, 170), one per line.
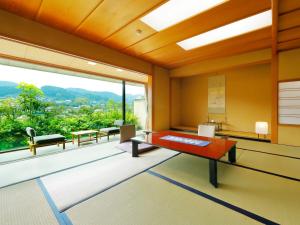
(42, 151)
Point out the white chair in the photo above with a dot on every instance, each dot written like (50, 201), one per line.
(206, 131)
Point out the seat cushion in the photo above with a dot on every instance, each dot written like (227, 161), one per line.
(110, 130)
(52, 138)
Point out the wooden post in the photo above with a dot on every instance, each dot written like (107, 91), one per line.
(274, 70)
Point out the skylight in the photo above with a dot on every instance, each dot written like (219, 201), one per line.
(243, 26)
(175, 11)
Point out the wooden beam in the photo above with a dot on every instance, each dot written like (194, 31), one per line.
(274, 71)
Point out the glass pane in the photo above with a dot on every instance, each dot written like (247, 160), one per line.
(53, 103)
(136, 105)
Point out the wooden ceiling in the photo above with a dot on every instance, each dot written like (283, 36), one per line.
(114, 24)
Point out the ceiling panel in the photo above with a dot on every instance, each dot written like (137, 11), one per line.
(110, 16)
(290, 34)
(129, 35)
(224, 51)
(288, 5)
(289, 20)
(23, 8)
(115, 24)
(65, 14)
(223, 14)
(173, 53)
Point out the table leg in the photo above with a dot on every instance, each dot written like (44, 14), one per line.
(78, 140)
(213, 175)
(73, 139)
(232, 155)
(135, 152)
(96, 137)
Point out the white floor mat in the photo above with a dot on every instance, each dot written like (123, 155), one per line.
(148, 200)
(28, 169)
(75, 185)
(24, 204)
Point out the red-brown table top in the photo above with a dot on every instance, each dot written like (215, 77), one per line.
(215, 150)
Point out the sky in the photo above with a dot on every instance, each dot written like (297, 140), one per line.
(42, 78)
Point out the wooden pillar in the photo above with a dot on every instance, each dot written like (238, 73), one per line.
(274, 71)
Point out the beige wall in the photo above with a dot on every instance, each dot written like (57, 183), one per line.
(161, 99)
(289, 68)
(248, 98)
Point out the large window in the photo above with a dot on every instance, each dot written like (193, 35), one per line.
(57, 101)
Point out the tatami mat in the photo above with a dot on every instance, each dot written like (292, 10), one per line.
(289, 167)
(148, 200)
(275, 198)
(291, 151)
(27, 169)
(24, 204)
(74, 185)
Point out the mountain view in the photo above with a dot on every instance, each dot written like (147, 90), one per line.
(61, 95)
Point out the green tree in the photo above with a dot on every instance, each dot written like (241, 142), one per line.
(8, 108)
(30, 100)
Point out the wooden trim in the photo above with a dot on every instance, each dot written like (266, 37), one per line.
(289, 125)
(153, 98)
(289, 45)
(170, 101)
(66, 68)
(274, 75)
(289, 80)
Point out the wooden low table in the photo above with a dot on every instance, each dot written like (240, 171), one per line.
(93, 135)
(213, 149)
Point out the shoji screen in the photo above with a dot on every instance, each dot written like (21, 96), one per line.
(289, 102)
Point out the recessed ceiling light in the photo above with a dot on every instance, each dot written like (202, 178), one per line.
(175, 11)
(138, 31)
(92, 63)
(119, 70)
(239, 27)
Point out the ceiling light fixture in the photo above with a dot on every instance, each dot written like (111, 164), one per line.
(239, 27)
(92, 63)
(175, 11)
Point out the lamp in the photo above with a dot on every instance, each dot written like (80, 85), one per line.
(261, 128)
